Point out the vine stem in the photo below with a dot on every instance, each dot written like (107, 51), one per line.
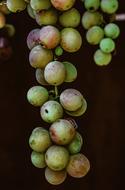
(56, 91)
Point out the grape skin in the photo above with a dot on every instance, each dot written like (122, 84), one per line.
(109, 6)
(14, 5)
(107, 45)
(101, 58)
(91, 5)
(112, 30)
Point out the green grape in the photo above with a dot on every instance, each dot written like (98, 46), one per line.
(91, 5)
(79, 111)
(37, 95)
(40, 77)
(15, 6)
(38, 159)
(55, 73)
(76, 144)
(39, 57)
(55, 177)
(63, 5)
(2, 20)
(109, 6)
(62, 132)
(39, 5)
(78, 166)
(70, 18)
(71, 40)
(71, 71)
(51, 111)
(102, 58)
(57, 157)
(40, 140)
(46, 17)
(90, 19)
(107, 45)
(94, 35)
(10, 30)
(71, 99)
(112, 30)
(30, 11)
(58, 51)
(49, 36)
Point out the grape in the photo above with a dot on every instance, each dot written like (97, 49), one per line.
(14, 5)
(107, 45)
(112, 30)
(78, 166)
(38, 159)
(9, 29)
(80, 111)
(71, 71)
(49, 36)
(33, 38)
(30, 11)
(55, 177)
(38, 5)
(37, 95)
(58, 51)
(62, 132)
(109, 7)
(51, 111)
(63, 5)
(71, 99)
(46, 17)
(5, 49)
(55, 73)
(2, 20)
(70, 18)
(40, 140)
(90, 19)
(75, 146)
(102, 58)
(3, 8)
(57, 157)
(71, 40)
(94, 35)
(91, 5)
(39, 57)
(40, 77)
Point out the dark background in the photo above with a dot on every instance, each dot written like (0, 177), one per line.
(102, 126)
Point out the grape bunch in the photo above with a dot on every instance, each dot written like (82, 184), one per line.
(99, 32)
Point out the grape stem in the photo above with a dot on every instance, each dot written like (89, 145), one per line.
(56, 91)
(120, 17)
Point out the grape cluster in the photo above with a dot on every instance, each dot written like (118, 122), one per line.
(6, 31)
(98, 30)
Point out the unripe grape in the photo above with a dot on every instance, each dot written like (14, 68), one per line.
(109, 6)
(76, 144)
(94, 35)
(40, 140)
(91, 5)
(78, 166)
(38, 159)
(71, 40)
(37, 95)
(33, 38)
(51, 111)
(39, 57)
(90, 19)
(70, 18)
(55, 73)
(102, 58)
(2, 20)
(49, 36)
(40, 77)
(5, 49)
(30, 11)
(55, 177)
(9, 30)
(79, 111)
(62, 132)
(107, 45)
(15, 6)
(38, 5)
(71, 71)
(71, 99)
(112, 30)
(62, 5)
(58, 51)
(3, 8)
(57, 157)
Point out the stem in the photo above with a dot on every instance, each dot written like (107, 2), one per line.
(117, 17)
(56, 91)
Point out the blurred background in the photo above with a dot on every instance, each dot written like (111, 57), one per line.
(102, 126)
